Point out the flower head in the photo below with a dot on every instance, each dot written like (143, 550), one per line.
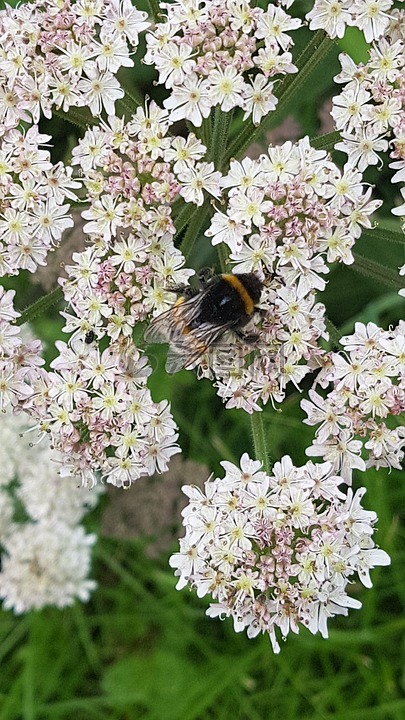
(276, 552)
(220, 54)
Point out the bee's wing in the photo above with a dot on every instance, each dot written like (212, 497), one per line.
(160, 329)
(171, 323)
(186, 349)
(185, 346)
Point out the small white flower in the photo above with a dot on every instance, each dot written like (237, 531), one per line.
(371, 17)
(226, 88)
(258, 99)
(191, 101)
(100, 90)
(174, 63)
(198, 178)
(331, 16)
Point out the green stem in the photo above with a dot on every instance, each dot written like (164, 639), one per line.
(154, 8)
(206, 131)
(223, 255)
(290, 87)
(40, 306)
(194, 228)
(81, 117)
(184, 217)
(326, 142)
(384, 234)
(259, 440)
(376, 272)
(133, 98)
(219, 139)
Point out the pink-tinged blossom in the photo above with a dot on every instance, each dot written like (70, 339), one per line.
(77, 48)
(276, 552)
(370, 109)
(362, 388)
(95, 404)
(285, 217)
(90, 410)
(220, 55)
(34, 217)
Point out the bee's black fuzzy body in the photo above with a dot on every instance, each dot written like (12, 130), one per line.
(228, 300)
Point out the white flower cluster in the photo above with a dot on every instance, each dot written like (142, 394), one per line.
(286, 215)
(368, 386)
(96, 404)
(370, 111)
(220, 53)
(19, 361)
(64, 54)
(100, 415)
(276, 551)
(46, 553)
(333, 16)
(32, 192)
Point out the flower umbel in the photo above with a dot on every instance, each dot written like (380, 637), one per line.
(277, 551)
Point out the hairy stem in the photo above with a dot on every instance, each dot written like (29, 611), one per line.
(259, 440)
(194, 228)
(40, 306)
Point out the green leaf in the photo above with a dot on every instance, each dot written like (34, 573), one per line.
(354, 44)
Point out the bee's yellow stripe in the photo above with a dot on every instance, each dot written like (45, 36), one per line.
(240, 288)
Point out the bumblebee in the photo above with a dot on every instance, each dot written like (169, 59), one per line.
(201, 316)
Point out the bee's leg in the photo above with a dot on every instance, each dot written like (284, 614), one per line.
(248, 339)
(184, 290)
(190, 292)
